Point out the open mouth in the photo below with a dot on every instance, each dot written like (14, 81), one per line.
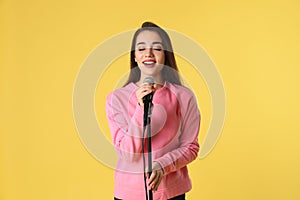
(149, 63)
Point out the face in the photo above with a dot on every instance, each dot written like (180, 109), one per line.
(149, 54)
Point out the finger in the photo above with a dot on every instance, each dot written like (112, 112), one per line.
(155, 181)
(158, 176)
(141, 96)
(140, 93)
(154, 185)
(158, 182)
(144, 89)
(147, 174)
(147, 90)
(152, 177)
(148, 86)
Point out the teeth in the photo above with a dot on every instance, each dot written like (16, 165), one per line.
(149, 62)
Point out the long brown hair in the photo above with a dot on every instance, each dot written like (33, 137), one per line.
(169, 71)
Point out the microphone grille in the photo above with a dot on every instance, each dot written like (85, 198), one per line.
(149, 80)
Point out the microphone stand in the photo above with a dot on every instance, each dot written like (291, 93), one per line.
(147, 123)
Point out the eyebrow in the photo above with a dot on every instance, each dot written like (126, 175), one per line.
(152, 43)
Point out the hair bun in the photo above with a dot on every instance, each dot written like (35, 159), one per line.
(149, 24)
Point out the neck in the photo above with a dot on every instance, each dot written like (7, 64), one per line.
(157, 80)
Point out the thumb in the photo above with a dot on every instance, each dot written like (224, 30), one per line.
(147, 172)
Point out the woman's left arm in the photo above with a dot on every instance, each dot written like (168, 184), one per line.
(189, 147)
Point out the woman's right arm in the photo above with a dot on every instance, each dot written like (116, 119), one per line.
(126, 134)
(126, 131)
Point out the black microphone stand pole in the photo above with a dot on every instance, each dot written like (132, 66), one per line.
(147, 123)
(149, 147)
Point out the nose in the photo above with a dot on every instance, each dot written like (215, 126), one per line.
(149, 52)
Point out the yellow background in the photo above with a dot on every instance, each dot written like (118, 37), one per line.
(255, 45)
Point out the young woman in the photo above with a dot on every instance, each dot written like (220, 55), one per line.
(175, 121)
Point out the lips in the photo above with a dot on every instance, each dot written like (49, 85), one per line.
(149, 63)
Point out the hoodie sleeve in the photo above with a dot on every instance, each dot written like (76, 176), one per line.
(188, 148)
(126, 131)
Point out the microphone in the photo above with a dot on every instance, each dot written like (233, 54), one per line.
(148, 98)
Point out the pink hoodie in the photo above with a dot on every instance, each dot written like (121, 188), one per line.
(175, 125)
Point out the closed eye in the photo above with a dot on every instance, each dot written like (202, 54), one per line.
(157, 49)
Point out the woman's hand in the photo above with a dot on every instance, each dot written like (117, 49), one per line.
(145, 89)
(156, 176)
